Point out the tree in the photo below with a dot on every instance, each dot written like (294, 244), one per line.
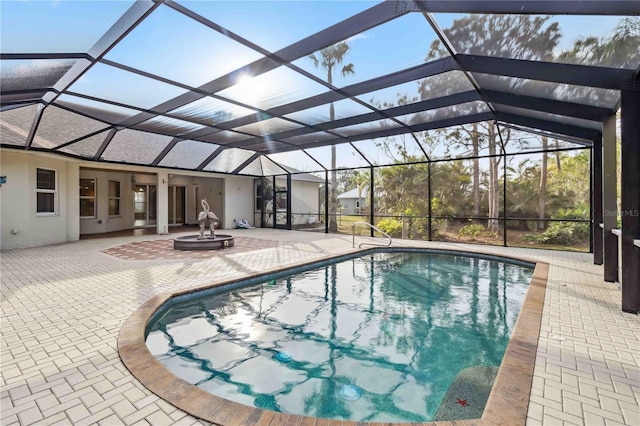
(620, 49)
(543, 185)
(328, 58)
(523, 36)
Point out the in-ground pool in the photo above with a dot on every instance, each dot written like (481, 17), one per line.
(373, 338)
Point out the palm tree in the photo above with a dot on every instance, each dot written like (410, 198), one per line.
(328, 58)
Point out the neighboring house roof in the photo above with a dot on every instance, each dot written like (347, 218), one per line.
(353, 193)
(300, 175)
(305, 177)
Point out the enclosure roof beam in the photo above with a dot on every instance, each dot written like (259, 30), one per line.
(280, 166)
(51, 55)
(80, 139)
(123, 26)
(550, 135)
(429, 104)
(552, 106)
(549, 126)
(393, 79)
(165, 151)
(245, 163)
(534, 7)
(105, 144)
(580, 75)
(210, 158)
(356, 24)
(10, 106)
(19, 97)
(438, 124)
(381, 14)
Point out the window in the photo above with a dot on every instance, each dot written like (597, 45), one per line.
(45, 191)
(114, 198)
(87, 198)
(259, 197)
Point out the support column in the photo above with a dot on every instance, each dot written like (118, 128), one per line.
(609, 198)
(162, 208)
(289, 212)
(73, 207)
(429, 208)
(630, 197)
(596, 202)
(371, 198)
(326, 201)
(262, 195)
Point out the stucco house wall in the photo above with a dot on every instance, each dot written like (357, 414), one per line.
(102, 222)
(20, 226)
(239, 195)
(305, 205)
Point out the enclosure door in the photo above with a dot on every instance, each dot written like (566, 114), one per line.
(144, 205)
(177, 205)
(281, 208)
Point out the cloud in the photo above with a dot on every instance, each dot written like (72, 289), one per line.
(357, 37)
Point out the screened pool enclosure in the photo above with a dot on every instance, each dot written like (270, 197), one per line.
(497, 122)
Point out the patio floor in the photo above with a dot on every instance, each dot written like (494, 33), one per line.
(63, 306)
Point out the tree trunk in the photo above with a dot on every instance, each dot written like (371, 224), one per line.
(333, 196)
(558, 165)
(542, 200)
(476, 170)
(494, 202)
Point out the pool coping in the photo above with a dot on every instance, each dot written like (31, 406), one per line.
(507, 404)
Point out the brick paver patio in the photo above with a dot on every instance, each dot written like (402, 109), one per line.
(63, 305)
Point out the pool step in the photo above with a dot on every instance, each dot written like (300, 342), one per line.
(467, 395)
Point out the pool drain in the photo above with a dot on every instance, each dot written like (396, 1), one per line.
(350, 393)
(283, 356)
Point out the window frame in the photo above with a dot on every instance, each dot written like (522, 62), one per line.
(53, 191)
(86, 197)
(111, 197)
(259, 196)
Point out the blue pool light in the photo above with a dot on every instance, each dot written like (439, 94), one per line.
(350, 393)
(283, 356)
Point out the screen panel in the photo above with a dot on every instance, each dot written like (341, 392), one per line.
(188, 154)
(58, 126)
(16, 123)
(171, 45)
(133, 146)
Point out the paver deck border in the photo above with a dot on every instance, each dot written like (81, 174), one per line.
(507, 403)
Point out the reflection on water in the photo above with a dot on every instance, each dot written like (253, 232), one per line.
(375, 338)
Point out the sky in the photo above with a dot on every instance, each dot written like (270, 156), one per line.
(173, 46)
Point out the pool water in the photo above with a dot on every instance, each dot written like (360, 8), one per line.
(372, 338)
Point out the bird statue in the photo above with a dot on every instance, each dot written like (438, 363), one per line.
(205, 215)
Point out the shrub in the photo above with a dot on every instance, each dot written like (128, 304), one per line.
(562, 233)
(391, 226)
(472, 231)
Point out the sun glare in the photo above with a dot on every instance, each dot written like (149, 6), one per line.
(248, 90)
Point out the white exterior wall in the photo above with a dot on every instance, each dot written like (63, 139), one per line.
(239, 195)
(102, 222)
(230, 197)
(213, 189)
(73, 208)
(304, 201)
(162, 209)
(21, 226)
